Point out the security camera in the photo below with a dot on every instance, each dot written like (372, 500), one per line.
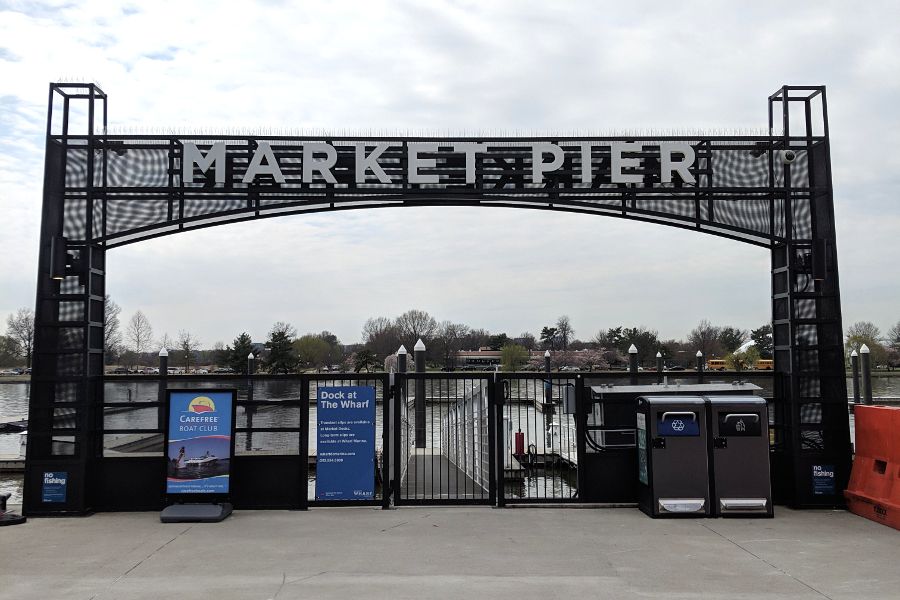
(788, 156)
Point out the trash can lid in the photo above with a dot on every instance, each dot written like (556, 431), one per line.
(735, 399)
(672, 400)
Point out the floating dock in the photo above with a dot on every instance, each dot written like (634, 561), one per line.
(430, 474)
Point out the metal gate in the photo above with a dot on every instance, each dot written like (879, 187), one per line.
(498, 438)
(444, 438)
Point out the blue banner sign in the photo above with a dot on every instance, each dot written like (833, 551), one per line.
(199, 442)
(823, 480)
(345, 465)
(53, 488)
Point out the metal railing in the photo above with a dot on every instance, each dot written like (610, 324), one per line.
(472, 438)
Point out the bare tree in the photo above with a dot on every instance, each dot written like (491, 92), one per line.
(380, 335)
(139, 334)
(414, 325)
(527, 341)
(20, 327)
(448, 341)
(166, 341)
(112, 335)
(893, 336)
(564, 331)
(188, 344)
(705, 338)
(865, 332)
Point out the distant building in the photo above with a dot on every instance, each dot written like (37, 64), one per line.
(484, 357)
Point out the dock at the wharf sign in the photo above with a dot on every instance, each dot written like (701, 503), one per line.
(345, 443)
(427, 163)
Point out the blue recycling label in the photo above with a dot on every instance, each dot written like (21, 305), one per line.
(678, 425)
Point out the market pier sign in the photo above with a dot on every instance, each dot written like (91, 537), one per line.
(423, 162)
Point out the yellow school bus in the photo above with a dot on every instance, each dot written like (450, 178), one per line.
(765, 364)
(716, 364)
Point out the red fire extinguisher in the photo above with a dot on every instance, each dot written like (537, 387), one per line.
(520, 443)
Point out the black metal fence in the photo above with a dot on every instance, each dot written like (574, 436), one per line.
(441, 438)
(275, 436)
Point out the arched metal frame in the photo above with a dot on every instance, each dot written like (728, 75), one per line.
(102, 191)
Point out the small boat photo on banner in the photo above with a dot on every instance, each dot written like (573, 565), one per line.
(199, 447)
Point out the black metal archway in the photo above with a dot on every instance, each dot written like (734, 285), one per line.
(103, 191)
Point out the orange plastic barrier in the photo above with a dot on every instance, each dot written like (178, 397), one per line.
(874, 488)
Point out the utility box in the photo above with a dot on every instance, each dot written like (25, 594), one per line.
(673, 471)
(739, 455)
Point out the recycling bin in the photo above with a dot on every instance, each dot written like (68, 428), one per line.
(739, 455)
(673, 473)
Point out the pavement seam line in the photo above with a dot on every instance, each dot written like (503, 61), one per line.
(394, 526)
(298, 580)
(779, 569)
(140, 562)
(280, 587)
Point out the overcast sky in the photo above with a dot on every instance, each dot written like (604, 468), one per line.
(494, 67)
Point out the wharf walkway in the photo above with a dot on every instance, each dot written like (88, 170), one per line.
(431, 474)
(452, 552)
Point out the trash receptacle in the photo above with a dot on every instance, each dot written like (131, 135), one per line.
(739, 455)
(673, 473)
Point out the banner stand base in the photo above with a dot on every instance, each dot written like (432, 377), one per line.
(196, 513)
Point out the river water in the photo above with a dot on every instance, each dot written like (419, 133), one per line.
(14, 405)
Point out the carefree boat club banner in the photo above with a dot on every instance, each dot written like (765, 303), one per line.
(199, 442)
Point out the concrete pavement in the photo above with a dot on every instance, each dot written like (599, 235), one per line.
(451, 552)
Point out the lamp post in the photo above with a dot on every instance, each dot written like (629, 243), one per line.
(548, 399)
(401, 359)
(419, 354)
(866, 374)
(163, 362)
(547, 389)
(163, 383)
(250, 409)
(633, 363)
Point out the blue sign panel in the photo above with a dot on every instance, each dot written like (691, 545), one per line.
(680, 424)
(53, 488)
(823, 480)
(199, 442)
(345, 465)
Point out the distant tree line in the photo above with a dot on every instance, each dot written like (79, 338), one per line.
(133, 344)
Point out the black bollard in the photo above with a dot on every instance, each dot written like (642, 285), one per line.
(866, 374)
(8, 518)
(659, 367)
(163, 383)
(700, 365)
(249, 409)
(854, 365)
(633, 363)
(419, 353)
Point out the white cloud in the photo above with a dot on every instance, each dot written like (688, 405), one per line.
(516, 67)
